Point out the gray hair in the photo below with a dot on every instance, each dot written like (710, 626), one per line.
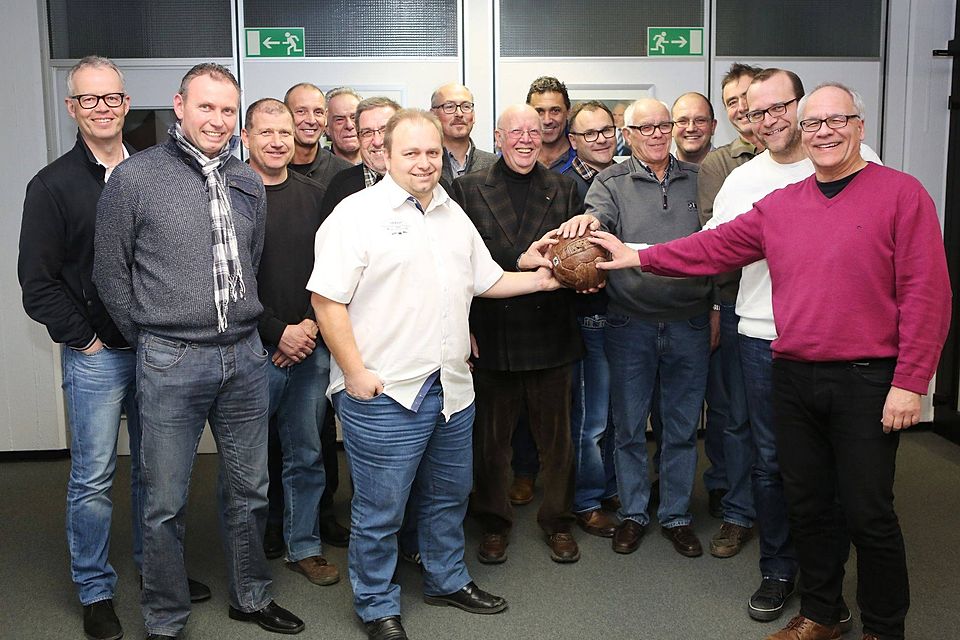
(341, 91)
(858, 105)
(91, 62)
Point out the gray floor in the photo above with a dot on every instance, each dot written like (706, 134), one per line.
(652, 594)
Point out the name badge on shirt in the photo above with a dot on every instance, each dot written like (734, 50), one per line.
(397, 227)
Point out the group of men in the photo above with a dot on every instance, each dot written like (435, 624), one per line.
(405, 274)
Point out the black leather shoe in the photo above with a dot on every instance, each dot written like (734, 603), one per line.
(471, 599)
(684, 540)
(199, 592)
(272, 617)
(333, 533)
(273, 546)
(388, 628)
(100, 621)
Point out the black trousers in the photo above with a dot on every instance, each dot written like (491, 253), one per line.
(501, 396)
(832, 451)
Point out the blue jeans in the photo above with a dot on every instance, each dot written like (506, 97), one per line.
(180, 385)
(96, 387)
(735, 439)
(595, 475)
(637, 350)
(392, 450)
(298, 403)
(777, 556)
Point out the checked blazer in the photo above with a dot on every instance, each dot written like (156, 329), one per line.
(534, 331)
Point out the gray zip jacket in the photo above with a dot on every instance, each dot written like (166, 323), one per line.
(634, 206)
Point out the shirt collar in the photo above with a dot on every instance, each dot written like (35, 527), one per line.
(397, 195)
(583, 170)
(370, 177)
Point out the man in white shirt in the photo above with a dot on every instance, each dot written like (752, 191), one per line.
(397, 267)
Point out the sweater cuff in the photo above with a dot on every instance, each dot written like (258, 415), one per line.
(911, 383)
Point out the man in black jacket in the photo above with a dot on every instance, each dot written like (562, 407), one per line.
(55, 270)
(525, 346)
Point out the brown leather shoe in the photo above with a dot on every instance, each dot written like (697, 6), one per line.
(800, 628)
(521, 491)
(729, 540)
(493, 548)
(628, 535)
(563, 548)
(684, 540)
(317, 570)
(597, 523)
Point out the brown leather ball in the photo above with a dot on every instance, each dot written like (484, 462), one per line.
(574, 261)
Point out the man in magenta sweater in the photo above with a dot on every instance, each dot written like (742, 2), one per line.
(861, 315)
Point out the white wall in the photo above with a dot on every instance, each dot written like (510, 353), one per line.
(31, 406)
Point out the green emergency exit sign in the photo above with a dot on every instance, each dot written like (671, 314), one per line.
(674, 41)
(284, 42)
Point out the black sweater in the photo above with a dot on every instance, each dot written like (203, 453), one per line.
(55, 265)
(294, 214)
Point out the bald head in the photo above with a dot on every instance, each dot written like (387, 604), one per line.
(519, 136)
(695, 126)
(453, 106)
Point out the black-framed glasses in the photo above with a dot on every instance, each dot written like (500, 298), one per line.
(366, 134)
(812, 125)
(775, 111)
(591, 135)
(451, 107)
(90, 100)
(648, 129)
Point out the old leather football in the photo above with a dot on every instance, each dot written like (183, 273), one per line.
(574, 263)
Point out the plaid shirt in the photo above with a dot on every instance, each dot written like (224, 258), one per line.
(370, 177)
(584, 170)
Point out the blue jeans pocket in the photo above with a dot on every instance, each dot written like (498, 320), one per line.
(616, 321)
(699, 322)
(161, 354)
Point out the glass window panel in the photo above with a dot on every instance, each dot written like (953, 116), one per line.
(573, 28)
(125, 29)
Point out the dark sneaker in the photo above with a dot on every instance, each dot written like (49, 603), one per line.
(767, 602)
(100, 621)
(729, 540)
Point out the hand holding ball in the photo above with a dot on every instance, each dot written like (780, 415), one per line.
(574, 263)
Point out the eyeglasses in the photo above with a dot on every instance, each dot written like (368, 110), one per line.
(775, 111)
(516, 134)
(366, 134)
(833, 122)
(451, 107)
(592, 135)
(699, 122)
(90, 101)
(648, 129)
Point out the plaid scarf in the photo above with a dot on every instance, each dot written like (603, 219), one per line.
(227, 272)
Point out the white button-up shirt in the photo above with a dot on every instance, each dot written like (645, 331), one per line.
(408, 279)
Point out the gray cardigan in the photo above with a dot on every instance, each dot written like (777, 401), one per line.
(632, 205)
(153, 263)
